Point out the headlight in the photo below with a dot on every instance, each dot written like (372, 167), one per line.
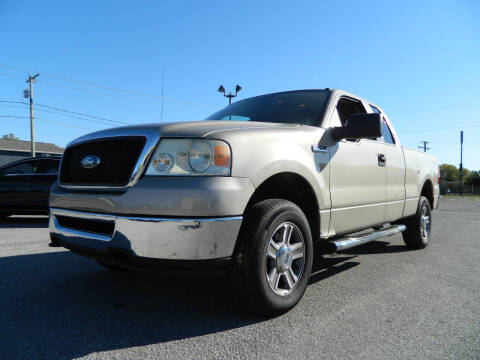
(176, 157)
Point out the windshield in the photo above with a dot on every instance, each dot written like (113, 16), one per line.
(294, 107)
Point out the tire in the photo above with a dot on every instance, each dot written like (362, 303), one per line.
(270, 274)
(419, 227)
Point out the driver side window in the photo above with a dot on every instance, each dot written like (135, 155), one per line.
(346, 107)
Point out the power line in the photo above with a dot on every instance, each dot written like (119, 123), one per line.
(77, 117)
(63, 124)
(58, 114)
(77, 113)
(46, 120)
(66, 111)
(15, 117)
(104, 87)
(13, 106)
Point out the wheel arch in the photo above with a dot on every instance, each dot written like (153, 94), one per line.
(427, 191)
(295, 188)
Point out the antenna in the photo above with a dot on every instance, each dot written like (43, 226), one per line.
(163, 80)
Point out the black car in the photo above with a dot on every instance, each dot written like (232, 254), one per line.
(25, 185)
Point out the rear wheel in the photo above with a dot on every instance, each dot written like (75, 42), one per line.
(273, 260)
(418, 232)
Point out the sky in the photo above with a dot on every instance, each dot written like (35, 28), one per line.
(419, 61)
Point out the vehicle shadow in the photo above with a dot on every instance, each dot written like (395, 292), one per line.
(58, 305)
(62, 306)
(17, 222)
(326, 265)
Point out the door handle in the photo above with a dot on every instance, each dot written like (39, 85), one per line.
(382, 160)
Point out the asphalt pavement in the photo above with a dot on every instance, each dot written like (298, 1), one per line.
(377, 301)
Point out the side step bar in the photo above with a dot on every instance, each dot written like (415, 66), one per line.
(351, 241)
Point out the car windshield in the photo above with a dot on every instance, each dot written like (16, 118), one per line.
(294, 107)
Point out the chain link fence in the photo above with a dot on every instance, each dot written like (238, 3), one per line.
(456, 188)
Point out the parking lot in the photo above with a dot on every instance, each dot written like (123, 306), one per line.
(376, 301)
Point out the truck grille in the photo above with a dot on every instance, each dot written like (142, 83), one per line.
(118, 157)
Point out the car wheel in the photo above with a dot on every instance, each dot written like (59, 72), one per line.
(273, 258)
(419, 227)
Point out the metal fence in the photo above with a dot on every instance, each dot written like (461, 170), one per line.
(456, 189)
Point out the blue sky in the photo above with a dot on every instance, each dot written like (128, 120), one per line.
(420, 61)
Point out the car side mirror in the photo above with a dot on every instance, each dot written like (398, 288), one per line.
(359, 126)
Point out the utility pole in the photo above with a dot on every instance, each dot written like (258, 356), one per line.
(30, 80)
(221, 89)
(461, 163)
(424, 146)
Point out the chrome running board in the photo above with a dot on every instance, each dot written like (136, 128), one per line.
(351, 241)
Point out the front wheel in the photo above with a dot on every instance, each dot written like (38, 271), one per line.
(419, 227)
(273, 259)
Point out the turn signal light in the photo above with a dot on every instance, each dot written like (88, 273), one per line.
(221, 155)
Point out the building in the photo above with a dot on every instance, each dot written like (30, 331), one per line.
(12, 150)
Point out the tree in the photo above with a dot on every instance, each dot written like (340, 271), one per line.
(465, 172)
(9, 137)
(449, 172)
(473, 178)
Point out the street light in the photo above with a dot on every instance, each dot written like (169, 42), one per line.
(221, 89)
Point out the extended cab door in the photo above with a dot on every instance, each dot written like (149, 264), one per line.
(358, 177)
(395, 162)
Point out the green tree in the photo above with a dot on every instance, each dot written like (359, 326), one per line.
(465, 172)
(9, 137)
(473, 178)
(449, 172)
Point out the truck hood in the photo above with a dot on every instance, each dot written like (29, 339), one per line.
(185, 129)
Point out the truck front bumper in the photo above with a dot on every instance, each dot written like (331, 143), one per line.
(145, 237)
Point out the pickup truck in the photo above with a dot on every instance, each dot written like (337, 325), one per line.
(248, 190)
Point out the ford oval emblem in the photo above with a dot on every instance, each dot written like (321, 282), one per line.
(90, 161)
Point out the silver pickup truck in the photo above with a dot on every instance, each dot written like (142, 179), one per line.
(247, 190)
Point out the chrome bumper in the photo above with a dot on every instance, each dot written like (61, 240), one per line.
(149, 237)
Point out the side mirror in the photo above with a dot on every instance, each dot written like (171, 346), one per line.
(359, 126)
